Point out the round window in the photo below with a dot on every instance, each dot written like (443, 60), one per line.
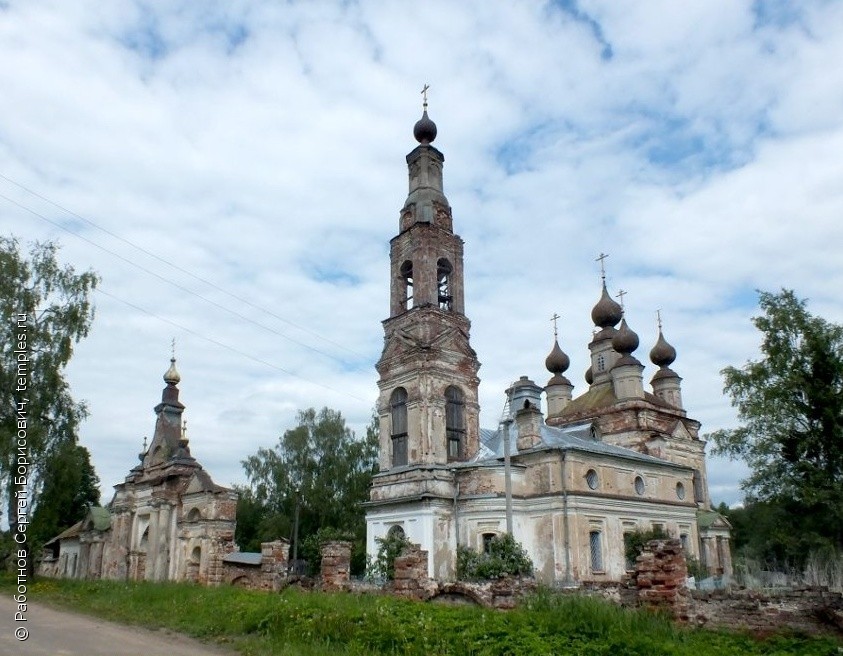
(591, 479)
(680, 490)
(639, 485)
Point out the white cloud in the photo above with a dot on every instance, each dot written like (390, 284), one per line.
(260, 146)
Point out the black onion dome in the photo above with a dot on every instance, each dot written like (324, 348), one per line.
(626, 341)
(662, 354)
(424, 130)
(589, 375)
(607, 312)
(558, 361)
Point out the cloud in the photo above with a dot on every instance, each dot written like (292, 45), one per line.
(260, 147)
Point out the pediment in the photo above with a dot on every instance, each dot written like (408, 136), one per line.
(417, 340)
(680, 432)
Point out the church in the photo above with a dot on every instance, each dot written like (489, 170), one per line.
(168, 520)
(569, 481)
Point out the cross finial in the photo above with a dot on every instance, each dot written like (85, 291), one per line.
(184, 428)
(173, 348)
(144, 444)
(424, 95)
(621, 293)
(554, 318)
(659, 318)
(601, 259)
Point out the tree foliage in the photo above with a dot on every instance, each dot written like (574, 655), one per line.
(505, 557)
(319, 465)
(790, 405)
(53, 302)
(71, 486)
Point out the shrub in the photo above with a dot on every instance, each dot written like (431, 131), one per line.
(389, 548)
(505, 557)
(311, 546)
(635, 542)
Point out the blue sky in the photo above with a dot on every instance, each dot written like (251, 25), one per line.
(254, 152)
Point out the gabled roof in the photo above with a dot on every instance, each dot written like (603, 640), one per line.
(573, 437)
(71, 532)
(711, 519)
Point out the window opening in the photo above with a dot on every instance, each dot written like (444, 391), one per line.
(487, 542)
(594, 543)
(395, 531)
(639, 486)
(443, 278)
(398, 406)
(454, 422)
(407, 279)
(591, 479)
(680, 491)
(629, 563)
(698, 488)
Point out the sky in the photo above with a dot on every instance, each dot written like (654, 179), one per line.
(234, 172)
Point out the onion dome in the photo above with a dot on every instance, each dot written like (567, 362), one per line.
(607, 312)
(626, 339)
(662, 354)
(558, 361)
(424, 130)
(171, 377)
(589, 375)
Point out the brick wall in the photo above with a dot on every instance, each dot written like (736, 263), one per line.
(336, 565)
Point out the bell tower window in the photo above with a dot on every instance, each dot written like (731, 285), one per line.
(407, 281)
(454, 422)
(443, 283)
(398, 408)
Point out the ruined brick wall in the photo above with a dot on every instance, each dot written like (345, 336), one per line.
(274, 557)
(660, 576)
(336, 565)
(411, 578)
(809, 610)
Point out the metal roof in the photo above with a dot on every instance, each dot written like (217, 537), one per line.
(574, 437)
(242, 558)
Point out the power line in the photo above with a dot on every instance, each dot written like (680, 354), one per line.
(171, 265)
(182, 287)
(228, 347)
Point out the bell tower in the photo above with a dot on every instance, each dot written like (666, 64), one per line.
(429, 414)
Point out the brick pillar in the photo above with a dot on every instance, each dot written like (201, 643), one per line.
(660, 576)
(411, 578)
(336, 565)
(274, 563)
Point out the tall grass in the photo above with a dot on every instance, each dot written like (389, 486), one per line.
(314, 624)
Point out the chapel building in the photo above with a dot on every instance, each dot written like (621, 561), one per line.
(594, 468)
(167, 521)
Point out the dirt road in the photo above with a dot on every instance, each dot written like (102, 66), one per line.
(61, 633)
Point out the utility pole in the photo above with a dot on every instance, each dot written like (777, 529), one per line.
(507, 473)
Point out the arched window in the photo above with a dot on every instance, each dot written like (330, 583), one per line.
(398, 407)
(407, 280)
(396, 531)
(443, 284)
(196, 555)
(194, 515)
(454, 422)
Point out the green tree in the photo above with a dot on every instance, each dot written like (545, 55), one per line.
(71, 486)
(46, 310)
(324, 469)
(790, 405)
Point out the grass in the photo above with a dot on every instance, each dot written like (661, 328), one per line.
(298, 623)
